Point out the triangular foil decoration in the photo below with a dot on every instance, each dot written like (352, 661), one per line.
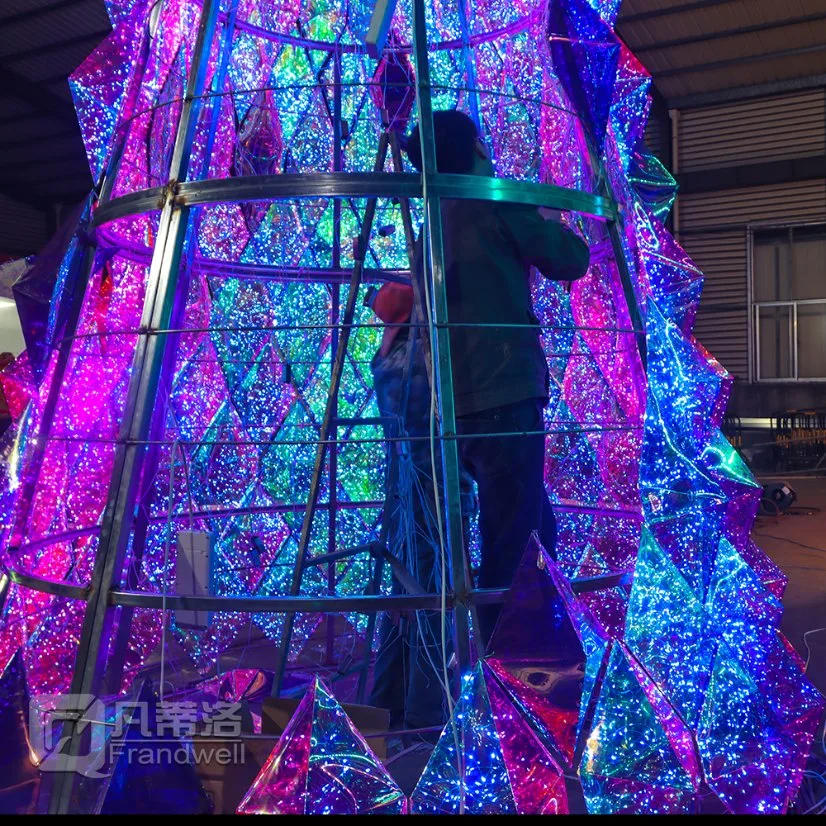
(500, 765)
(322, 765)
(538, 654)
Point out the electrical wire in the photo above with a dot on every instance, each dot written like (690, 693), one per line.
(809, 650)
(440, 528)
(412, 484)
(167, 543)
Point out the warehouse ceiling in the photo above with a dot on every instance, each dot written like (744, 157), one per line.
(698, 51)
(707, 51)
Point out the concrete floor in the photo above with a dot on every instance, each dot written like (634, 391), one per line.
(796, 541)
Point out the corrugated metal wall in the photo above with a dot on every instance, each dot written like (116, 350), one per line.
(656, 137)
(722, 321)
(780, 203)
(754, 131)
(712, 225)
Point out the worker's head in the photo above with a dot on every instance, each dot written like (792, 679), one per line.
(459, 148)
(393, 304)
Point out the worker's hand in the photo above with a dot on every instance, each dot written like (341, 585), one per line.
(550, 214)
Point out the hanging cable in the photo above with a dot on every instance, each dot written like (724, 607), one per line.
(167, 544)
(442, 550)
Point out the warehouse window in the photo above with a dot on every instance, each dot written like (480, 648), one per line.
(789, 293)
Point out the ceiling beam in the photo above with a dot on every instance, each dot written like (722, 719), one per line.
(63, 77)
(756, 174)
(71, 188)
(75, 155)
(58, 45)
(23, 193)
(44, 101)
(756, 90)
(696, 5)
(22, 16)
(26, 142)
(706, 37)
(730, 62)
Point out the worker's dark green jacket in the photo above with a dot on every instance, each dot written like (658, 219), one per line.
(489, 251)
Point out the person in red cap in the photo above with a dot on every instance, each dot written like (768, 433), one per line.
(393, 304)
(408, 672)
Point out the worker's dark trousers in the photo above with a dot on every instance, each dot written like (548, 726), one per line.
(509, 474)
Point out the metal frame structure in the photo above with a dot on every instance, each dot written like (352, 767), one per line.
(154, 359)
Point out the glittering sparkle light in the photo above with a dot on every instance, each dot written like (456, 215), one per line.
(690, 692)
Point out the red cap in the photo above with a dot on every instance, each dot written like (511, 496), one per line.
(393, 304)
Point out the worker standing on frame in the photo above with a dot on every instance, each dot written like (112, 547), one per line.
(500, 375)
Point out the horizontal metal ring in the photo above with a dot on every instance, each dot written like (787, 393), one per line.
(364, 604)
(49, 586)
(356, 185)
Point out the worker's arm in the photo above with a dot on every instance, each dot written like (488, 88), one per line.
(548, 245)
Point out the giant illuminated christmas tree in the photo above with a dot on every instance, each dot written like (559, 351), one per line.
(204, 366)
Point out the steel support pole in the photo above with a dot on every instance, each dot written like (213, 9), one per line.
(335, 309)
(413, 342)
(464, 22)
(410, 238)
(161, 290)
(634, 313)
(146, 497)
(434, 274)
(373, 589)
(328, 423)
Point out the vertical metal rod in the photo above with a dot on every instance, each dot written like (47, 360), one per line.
(674, 115)
(793, 328)
(634, 313)
(790, 359)
(332, 471)
(464, 22)
(162, 287)
(146, 496)
(434, 273)
(757, 341)
(332, 478)
(776, 316)
(327, 423)
(375, 585)
(410, 239)
(749, 301)
(410, 244)
(404, 206)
